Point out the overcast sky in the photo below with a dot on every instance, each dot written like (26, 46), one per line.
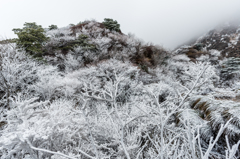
(164, 22)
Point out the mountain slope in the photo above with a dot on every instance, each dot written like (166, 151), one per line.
(98, 93)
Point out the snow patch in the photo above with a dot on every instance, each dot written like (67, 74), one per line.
(181, 57)
(214, 52)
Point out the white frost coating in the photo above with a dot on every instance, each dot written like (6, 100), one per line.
(181, 57)
(234, 39)
(203, 58)
(215, 52)
(209, 45)
(61, 31)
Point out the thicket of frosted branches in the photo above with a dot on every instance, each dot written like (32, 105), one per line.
(111, 108)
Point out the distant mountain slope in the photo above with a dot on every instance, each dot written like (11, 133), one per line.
(225, 39)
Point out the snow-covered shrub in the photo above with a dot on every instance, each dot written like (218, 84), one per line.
(215, 113)
(17, 73)
(186, 73)
(106, 77)
(41, 124)
(47, 85)
(50, 126)
(58, 39)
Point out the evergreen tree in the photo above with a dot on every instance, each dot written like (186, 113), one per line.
(53, 27)
(111, 24)
(31, 38)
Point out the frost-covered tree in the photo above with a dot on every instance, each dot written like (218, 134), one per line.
(17, 73)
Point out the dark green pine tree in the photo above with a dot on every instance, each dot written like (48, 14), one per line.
(31, 38)
(52, 27)
(111, 24)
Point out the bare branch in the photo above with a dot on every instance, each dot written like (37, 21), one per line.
(57, 153)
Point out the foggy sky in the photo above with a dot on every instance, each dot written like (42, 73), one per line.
(165, 22)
